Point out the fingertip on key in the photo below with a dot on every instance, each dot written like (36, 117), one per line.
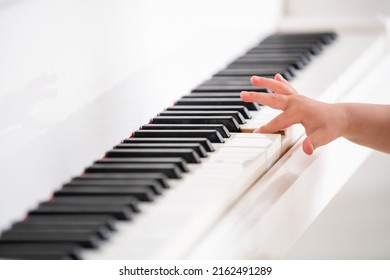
(255, 79)
(244, 94)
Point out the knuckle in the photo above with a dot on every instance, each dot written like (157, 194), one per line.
(274, 97)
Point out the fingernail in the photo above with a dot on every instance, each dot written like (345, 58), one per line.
(255, 78)
(244, 93)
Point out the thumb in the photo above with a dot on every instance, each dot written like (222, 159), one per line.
(315, 140)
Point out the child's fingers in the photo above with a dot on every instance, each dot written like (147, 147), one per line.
(281, 79)
(275, 101)
(271, 84)
(280, 122)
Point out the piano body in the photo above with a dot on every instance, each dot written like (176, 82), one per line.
(78, 77)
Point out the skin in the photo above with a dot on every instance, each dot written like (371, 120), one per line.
(364, 124)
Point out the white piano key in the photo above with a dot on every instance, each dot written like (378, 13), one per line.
(248, 142)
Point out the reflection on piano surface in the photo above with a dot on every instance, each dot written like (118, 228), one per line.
(179, 187)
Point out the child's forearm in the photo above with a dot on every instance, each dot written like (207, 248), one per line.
(369, 125)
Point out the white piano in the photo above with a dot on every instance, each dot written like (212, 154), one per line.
(78, 77)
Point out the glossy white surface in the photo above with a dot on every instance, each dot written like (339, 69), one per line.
(356, 223)
(76, 77)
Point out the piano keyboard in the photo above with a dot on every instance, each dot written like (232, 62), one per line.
(174, 177)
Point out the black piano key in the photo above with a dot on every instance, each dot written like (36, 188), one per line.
(18, 250)
(225, 88)
(250, 56)
(237, 81)
(229, 122)
(213, 135)
(154, 184)
(325, 37)
(230, 81)
(84, 239)
(248, 71)
(141, 193)
(214, 95)
(195, 146)
(160, 177)
(120, 212)
(296, 63)
(218, 127)
(127, 200)
(293, 51)
(269, 65)
(150, 184)
(304, 47)
(242, 109)
(283, 62)
(206, 144)
(218, 101)
(36, 256)
(179, 162)
(283, 51)
(257, 67)
(235, 114)
(279, 60)
(168, 169)
(305, 57)
(100, 230)
(294, 41)
(104, 220)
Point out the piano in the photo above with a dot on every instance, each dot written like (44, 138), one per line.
(124, 136)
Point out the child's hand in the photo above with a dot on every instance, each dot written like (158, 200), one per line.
(322, 122)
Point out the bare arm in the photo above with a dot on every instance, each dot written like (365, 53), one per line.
(369, 125)
(364, 124)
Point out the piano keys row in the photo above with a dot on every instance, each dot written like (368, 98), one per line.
(202, 136)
